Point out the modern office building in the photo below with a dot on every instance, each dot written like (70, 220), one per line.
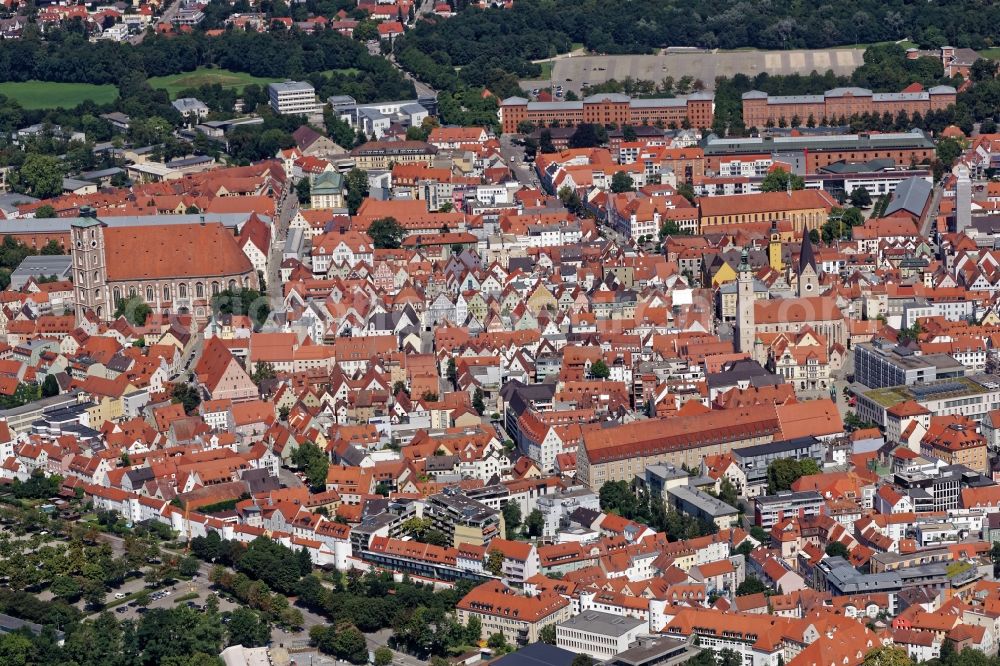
(293, 97)
(463, 520)
(600, 635)
(771, 509)
(883, 364)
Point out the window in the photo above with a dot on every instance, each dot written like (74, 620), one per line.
(183, 291)
(166, 293)
(199, 290)
(117, 296)
(149, 294)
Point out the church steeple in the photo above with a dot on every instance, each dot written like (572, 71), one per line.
(808, 275)
(746, 329)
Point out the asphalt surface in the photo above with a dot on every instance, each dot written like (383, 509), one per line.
(575, 71)
(513, 154)
(288, 206)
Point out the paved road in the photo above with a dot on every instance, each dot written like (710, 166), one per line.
(573, 72)
(168, 16)
(513, 155)
(932, 211)
(288, 206)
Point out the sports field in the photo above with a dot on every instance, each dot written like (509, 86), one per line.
(48, 95)
(175, 83)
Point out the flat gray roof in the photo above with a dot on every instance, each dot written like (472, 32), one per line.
(604, 624)
(290, 86)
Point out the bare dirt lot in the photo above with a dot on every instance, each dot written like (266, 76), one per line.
(572, 72)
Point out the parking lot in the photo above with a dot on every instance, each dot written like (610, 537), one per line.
(573, 72)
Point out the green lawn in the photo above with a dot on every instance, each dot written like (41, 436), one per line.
(992, 54)
(175, 83)
(546, 69)
(48, 95)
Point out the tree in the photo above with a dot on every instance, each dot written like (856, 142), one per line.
(142, 598)
(477, 401)
(948, 150)
(583, 660)
(617, 497)
(309, 458)
(860, 198)
(837, 549)
(186, 395)
(586, 135)
(263, 371)
(727, 492)
(40, 176)
(135, 310)
(247, 628)
(777, 181)
(751, 585)
(497, 641)
(511, 516)
(386, 233)
(494, 563)
(50, 386)
(303, 189)
(45, 211)
(548, 634)
(452, 372)
(188, 566)
(535, 524)
(782, 473)
(622, 182)
(983, 69)
(356, 181)
(887, 656)
(242, 301)
(599, 369)
(383, 656)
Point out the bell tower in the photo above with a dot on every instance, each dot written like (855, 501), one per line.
(89, 270)
(746, 325)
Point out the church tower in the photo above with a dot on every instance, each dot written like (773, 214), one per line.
(89, 271)
(808, 277)
(774, 249)
(746, 330)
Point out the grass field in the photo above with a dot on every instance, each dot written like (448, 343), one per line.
(48, 95)
(546, 69)
(175, 83)
(992, 54)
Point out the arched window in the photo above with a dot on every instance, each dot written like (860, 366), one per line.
(232, 284)
(131, 292)
(166, 293)
(149, 294)
(215, 288)
(183, 290)
(117, 296)
(199, 290)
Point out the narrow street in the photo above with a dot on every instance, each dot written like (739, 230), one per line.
(288, 206)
